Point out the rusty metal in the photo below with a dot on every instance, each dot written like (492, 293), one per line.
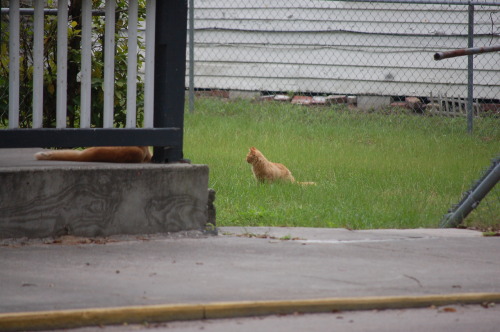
(466, 51)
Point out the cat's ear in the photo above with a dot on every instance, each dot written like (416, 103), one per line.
(252, 148)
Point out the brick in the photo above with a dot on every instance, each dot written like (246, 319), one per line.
(220, 93)
(284, 98)
(352, 100)
(414, 103)
(491, 108)
(432, 107)
(302, 100)
(213, 93)
(400, 104)
(412, 100)
(267, 98)
(336, 99)
(319, 100)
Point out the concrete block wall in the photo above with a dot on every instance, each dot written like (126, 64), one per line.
(98, 199)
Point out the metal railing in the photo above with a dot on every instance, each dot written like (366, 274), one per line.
(162, 116)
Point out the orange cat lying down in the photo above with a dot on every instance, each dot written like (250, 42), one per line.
(110, 154)
(267, 171)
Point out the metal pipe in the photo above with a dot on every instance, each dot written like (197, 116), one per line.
(38, 65)
(466, 51)
(62, 64)
(149, 64)
(471, 201)
(132, 64)
(86, 68)
(109, 64)
(470, 73)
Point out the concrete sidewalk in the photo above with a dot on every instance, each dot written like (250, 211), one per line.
(245, 264)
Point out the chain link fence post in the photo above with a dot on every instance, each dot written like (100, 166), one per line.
(470, 72)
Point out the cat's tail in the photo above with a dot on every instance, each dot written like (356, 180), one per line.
(307, 183)
(69, 155)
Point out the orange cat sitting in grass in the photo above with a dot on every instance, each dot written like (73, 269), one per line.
(109, 154)
(267, 171)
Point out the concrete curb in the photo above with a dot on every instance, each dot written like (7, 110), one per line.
(47, 320)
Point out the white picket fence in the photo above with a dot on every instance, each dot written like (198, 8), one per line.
(86, 63)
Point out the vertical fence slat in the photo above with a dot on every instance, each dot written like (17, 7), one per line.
(62, 63)
(86, 70)
(38, 35)
(14, 63)
(109, 63)
(149, 64)
(132, 64)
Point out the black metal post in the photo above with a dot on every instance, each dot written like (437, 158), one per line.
(170, 69)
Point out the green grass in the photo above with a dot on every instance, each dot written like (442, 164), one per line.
(372, 169)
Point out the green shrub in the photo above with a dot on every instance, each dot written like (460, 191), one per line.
(74, 56)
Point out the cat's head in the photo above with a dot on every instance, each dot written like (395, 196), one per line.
(253, 155)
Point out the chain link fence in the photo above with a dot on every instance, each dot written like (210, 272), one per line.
(349, 48)
(343, 48)
(369, 55)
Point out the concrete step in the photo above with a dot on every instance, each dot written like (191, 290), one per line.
(52, 198)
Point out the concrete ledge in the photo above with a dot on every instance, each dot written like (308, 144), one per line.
(48, 320)
(40, 199)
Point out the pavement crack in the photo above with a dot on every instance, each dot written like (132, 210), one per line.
(414, 279)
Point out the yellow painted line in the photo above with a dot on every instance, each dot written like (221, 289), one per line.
(47, 320)
(241, 309)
